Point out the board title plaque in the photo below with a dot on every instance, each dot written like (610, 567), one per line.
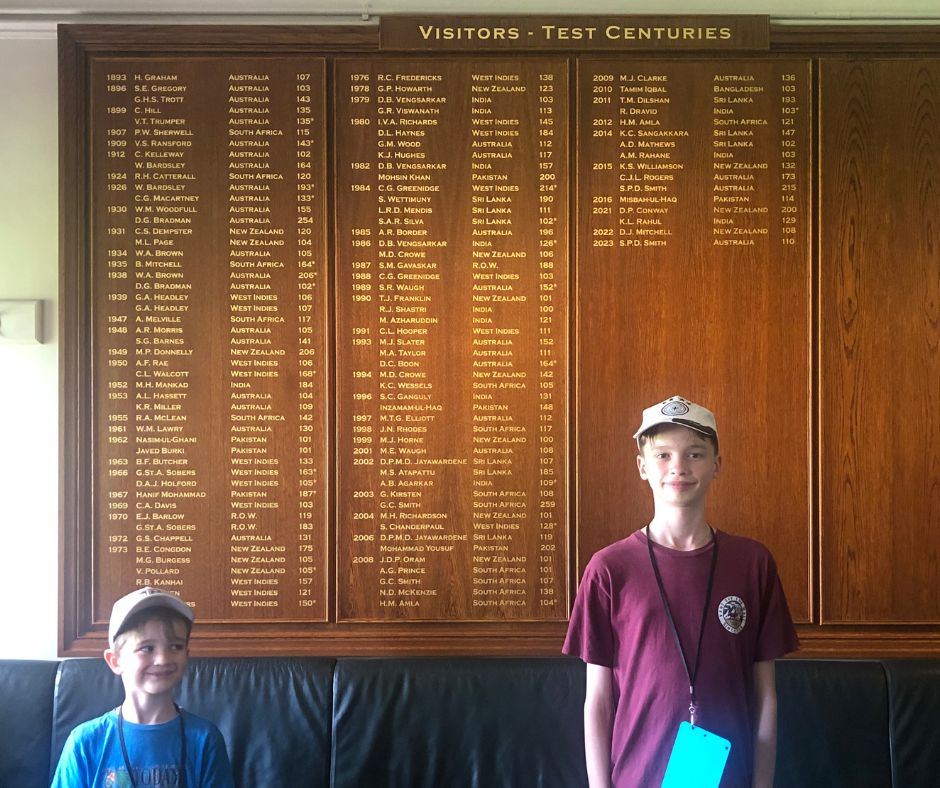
(587, 33)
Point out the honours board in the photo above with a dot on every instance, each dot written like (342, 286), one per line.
(452, 305)
(694, 262)
(208, 266)
(357, 335)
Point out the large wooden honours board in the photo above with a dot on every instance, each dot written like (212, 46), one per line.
(357, 323)
(209, 367)
(329, 344)
(452, 332)
(694, 270)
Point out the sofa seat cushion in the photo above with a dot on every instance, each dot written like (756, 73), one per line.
(915, 733)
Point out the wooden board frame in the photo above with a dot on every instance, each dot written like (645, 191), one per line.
(79, 635)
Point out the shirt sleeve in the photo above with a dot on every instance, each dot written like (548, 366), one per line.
(590, 634)
(217, 770)
(777, 633)
(70, 771)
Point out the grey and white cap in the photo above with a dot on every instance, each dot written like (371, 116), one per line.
(142, 599)
(681, 411)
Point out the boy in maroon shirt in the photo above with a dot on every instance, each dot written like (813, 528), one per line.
(729, 614)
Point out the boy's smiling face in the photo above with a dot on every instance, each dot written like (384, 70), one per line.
(679, 465)
(151, 659)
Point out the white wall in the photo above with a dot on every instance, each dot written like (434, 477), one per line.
(29, 373)
(910, 9)
(28, 244)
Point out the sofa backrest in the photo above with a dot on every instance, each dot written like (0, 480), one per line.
(832, 725)
(26, 689)
(458, 723)
(914, 695)
(274, 712)
(467, 722)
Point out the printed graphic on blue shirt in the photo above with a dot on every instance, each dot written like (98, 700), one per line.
(162, 776)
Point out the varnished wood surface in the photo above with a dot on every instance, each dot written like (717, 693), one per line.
(727, 326)
(879, 460)
(820, 361)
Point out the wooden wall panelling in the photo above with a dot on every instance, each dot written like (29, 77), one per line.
(879, 454)
(693, 279)
(677, 291)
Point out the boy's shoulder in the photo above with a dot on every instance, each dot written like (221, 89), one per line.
(88, 739)
(97, 726)
(92, 734)
(196, 723)
(634, 547)
(618, 553)
(743, 545)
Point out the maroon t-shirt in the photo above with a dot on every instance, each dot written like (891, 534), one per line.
(618, 621)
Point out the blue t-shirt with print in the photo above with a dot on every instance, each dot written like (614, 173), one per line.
(92, 756)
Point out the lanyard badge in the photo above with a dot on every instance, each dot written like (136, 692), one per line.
(698, 757)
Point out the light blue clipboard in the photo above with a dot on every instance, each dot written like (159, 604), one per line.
(698, 759)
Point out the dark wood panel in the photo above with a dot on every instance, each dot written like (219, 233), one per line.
(865, 40)
(663, 310)
(693, 279)
(452, 272)
(219, 39)
(880, 337)
(208, 268)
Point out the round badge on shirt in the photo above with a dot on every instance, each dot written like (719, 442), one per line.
(732, 613)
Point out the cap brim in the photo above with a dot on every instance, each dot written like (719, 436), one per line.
(692, 425)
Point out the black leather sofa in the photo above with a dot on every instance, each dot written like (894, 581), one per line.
(468, 722)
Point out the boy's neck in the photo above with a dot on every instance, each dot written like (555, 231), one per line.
(148, 709)
(680, 530)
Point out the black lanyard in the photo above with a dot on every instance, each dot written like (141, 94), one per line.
(127, 762)
(675, 632)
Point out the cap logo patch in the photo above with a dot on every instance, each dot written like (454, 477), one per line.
(675, 408)
(732, 613)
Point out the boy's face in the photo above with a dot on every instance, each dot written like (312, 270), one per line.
(152, 658)
(679, 465)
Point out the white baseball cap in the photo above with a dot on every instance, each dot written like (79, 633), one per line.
(142, 599)
(679, 410)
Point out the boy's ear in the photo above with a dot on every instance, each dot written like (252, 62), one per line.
(113, 659)
(641, 466)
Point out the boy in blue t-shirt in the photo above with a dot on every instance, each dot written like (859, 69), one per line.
(148, 740)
